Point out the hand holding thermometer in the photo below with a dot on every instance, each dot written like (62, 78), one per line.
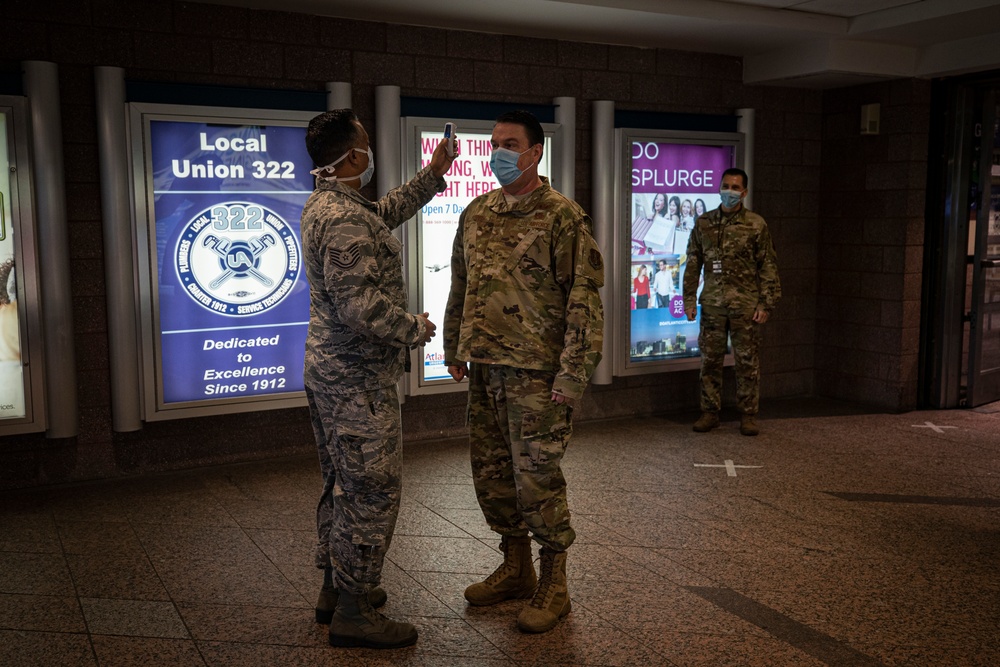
(449, 136)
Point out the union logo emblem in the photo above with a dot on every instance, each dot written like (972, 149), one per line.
(237, 258)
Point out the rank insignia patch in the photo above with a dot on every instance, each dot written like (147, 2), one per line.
(346, 258)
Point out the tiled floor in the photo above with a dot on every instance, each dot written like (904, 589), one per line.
(836, 537)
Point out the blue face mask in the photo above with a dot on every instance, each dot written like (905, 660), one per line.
(730, 198)
(503, 162)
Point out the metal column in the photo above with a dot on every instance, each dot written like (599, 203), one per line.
(565, 116)
(338, 95)
(603, 193)
(119, 275)
(41, 84)
(745, 124)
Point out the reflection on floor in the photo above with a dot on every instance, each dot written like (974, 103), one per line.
(836, 537)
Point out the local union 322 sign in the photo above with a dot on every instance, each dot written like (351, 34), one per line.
(237, 258)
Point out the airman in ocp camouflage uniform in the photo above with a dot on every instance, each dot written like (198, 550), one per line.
(524, 310)
(359, 332)
(733, 246)
(524, 287)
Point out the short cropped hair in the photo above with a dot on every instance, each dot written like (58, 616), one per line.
(536, 135)
(736, 171)
(330, 135)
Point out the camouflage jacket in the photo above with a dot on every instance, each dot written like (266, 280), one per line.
(524, 281)
(358, 325)
(742, 243)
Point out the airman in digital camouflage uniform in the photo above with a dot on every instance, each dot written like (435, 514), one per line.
(741, 288)
(524, 310)
(359, 332)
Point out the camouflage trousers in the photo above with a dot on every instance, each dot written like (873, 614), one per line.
(358, 436)
(518, 436)
(716, 325)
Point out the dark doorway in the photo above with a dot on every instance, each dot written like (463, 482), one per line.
(960, 342)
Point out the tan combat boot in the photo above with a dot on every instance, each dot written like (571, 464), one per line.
(551, 599)
(514, 580)
(706, 422)
(328, 595)
(748, 425)
(355, 623)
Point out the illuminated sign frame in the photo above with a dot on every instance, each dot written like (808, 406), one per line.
(221, 270)
(425, 268)
(682, 167)
(17, 224)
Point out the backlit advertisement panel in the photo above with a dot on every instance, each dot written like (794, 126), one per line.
(671, 181)
(437, 222)
(231, 302)
(12, 404)
(22, 359)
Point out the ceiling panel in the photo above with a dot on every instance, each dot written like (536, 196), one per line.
(851, 8)
(789, 30)
(844, 8)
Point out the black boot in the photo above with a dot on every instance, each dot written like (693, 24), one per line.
(328, 595)
(355, 623)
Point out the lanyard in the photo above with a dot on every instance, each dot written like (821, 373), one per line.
(724, 221)
(721, 234)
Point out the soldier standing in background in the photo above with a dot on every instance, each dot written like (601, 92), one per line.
(741, 288)
(359, 332)
(525, 311)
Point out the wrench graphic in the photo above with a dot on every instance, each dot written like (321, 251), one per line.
(221, 248)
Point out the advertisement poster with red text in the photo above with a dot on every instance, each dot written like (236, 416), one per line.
(469, 177)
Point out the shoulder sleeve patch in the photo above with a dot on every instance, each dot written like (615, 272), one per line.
(345, 258)
(595, 259)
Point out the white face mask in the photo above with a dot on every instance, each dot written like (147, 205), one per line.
(365, 176)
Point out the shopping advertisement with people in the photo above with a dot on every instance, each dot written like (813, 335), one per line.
(671, 185)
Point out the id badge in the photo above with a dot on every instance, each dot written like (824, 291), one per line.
(717, 266)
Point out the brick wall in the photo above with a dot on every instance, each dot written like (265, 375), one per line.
(871, 244)
(786, 182)
(163, 41)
